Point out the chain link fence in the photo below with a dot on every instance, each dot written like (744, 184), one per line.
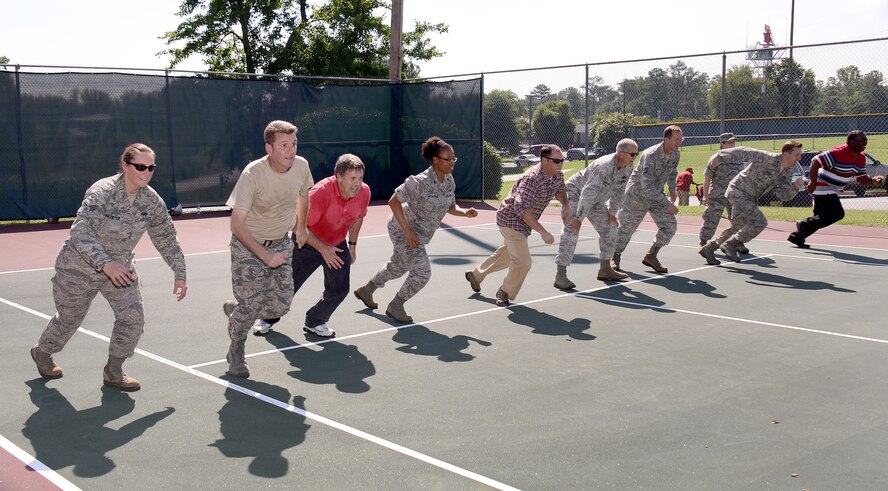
(815, 94)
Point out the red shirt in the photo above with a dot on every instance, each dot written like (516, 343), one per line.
(683, 183)
(330, 215)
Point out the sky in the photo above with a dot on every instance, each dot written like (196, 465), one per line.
(484, 35)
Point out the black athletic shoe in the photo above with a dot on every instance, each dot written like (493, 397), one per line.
(798, 241)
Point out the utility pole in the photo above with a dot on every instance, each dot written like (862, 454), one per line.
(395, 58)
(791, 28)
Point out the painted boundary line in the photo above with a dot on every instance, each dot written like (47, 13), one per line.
(293, 409)
(38, 467)
(736, 319)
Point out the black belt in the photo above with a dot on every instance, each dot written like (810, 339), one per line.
(269, 243)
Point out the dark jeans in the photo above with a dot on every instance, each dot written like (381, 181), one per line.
(827, 211)
(336, 282)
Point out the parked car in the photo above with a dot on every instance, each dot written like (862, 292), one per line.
(526, 160)
(535, 149)
(576, 154)
(860, 189)
(803, 198)
(596, 152)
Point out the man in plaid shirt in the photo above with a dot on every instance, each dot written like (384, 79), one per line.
(517, 216)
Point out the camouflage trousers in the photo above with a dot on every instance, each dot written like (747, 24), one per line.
(634, 209)
(261, 292)
(414, 262)
(747, 221)
(712, 215)
(74, 287)
(607, 237)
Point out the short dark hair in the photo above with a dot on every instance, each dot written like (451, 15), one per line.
(432, 147)
(855, 135)
(667, 133)
(547, 150)
(276, 127)
(790, 146)
(347, 162)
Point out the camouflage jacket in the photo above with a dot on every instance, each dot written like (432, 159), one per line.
(108, 227)
(762, 174)
(655, 169)
(598, 184)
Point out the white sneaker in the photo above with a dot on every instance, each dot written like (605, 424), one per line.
(261, 328)
(321, 330)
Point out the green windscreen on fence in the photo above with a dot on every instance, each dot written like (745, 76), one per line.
(60, 132)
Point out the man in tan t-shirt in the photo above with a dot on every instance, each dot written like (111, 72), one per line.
(269, 199)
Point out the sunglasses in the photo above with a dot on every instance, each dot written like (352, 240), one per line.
(632, 154)
(557, 161)
(142, 167)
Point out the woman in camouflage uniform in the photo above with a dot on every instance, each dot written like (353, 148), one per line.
(418, 206)
(98, 258)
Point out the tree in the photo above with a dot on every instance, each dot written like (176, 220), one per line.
(501, 109)
(746, 96)
(335, 38)
(576, 100)
(609, 129)
(849, 92)
(796, 88)
(3, 60)
(600, 96)
(552, 123)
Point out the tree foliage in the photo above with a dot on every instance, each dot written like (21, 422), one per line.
(849, 92)
(796, 88)
(501, 110)
(333, 38)
(552, 123)
(746, 96)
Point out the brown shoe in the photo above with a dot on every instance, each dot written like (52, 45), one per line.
(562, 282)
(396, 311)
(476, 285)
(502, 298)
(651, 261)
(237, 363)
(46, 367)
(365, 294)
(114, 376)
(730, 250)
(615, 262)
(607, 273)
(708, 252)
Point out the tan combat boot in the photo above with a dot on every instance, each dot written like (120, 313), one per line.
(708, 252)
(365, 294)
(650, 260)
(562, 282)
(46, 367)
(396, 311)
(237, 364)
(615, 262)
(607, 273)
(730, 250)
(114, 376)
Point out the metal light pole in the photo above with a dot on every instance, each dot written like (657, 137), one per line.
(395, 58)
(791, 28)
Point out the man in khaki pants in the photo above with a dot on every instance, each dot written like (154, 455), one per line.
(517, 216)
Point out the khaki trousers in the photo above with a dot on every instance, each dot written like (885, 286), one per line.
(513, 254)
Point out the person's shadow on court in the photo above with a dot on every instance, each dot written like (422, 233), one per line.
(334, 363)
(762, 278)
(623, 296)
(681, 284)
(549, 325)
(253, 428)
(63, 436)
(420, 340)
(848, 257)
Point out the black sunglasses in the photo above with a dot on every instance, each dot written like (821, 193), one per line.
(143, 167)
(633, 154)
(557, 161)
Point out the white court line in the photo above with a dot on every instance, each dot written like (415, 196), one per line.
(38, 467)
(737, 319)
(293, 409)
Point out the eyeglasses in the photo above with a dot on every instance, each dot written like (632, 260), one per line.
(452, 161)
(142, 167)
(632, 154)
(556, 161)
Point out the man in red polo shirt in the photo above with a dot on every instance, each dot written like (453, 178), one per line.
(337, 208)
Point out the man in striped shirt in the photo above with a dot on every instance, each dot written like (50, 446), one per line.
(830, 171)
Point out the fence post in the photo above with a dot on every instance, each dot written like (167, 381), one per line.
(20, 137)
(586, 119)
(166, 76)
(721, 123)
(483, 139)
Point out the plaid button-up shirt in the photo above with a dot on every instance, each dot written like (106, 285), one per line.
(532, 191)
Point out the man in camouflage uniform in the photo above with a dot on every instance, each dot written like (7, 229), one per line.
(596, 193)
(715, 183)
(766, 170)
(657, 167)
(98, 258)
(418, 206)
(269, 199)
